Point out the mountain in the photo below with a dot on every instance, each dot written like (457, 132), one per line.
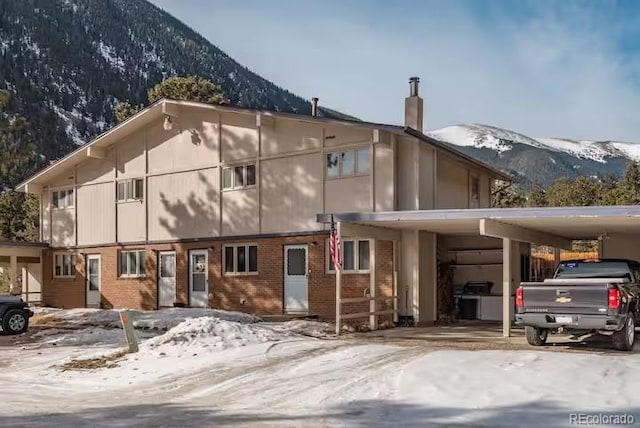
(539, 161)
(69, 62)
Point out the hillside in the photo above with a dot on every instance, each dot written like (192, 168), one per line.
(69, 62)
(539, 160)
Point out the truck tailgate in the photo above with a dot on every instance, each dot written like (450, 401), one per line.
(565, 298)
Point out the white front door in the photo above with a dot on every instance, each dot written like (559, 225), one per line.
(93, 281)
(166, 278)
(198, 279)
(296, 278)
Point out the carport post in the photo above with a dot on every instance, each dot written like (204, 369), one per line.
(15, 289)
(338, 284)
(507, 252)
(556, 257)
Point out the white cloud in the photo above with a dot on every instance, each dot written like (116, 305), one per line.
(554, 73)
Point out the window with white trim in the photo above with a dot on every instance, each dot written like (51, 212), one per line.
(348, 163)
(130, 190)
(355, 256)
(240, 259)
(131, 263)
(64, 265)
(62, 198)
(239, 176)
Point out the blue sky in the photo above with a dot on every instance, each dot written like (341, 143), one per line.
(545, 68)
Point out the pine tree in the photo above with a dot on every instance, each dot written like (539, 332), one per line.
(629, 188)
(189, 88)
(507, 195)
(537, 197)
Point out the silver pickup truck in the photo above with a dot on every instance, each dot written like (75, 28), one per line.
(585, 296)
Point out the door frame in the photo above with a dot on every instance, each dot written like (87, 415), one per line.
(305, 246)
(191, 252)
(175, 275)
(87, 279)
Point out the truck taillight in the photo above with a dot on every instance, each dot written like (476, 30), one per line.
(614, 298)
(519, 298)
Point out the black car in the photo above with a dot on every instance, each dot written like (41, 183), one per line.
(14, 314)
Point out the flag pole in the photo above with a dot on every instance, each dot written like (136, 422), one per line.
(338, 285)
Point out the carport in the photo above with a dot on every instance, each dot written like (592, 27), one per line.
(417, 235)
(21, 269)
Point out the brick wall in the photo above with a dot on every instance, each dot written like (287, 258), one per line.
(261, 294)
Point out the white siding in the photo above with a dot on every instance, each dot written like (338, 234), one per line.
(184, 205)
(63, 227)
(426, 184)
(348, 194)
(191, 144)
(96, 214)
(453, 184)
(239, 137)
(131, 161)
(384, 166)
(46, 215)
(131, 221)
(406, 186)
(240, 212)
(287, 136)
(97, 170)
(291, 189)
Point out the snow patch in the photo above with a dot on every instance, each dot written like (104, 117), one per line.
(211, 332)
(502, 140)
(110, 55)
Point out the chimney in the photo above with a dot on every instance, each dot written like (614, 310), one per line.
(413, 108)
(314, 106)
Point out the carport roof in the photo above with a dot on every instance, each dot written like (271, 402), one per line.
(563, 222)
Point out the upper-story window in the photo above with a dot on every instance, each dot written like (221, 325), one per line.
(62, 198)
(347, 163)
(239, 176)
(475, 189)
(131, 190)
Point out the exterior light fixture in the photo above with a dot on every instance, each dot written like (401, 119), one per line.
(168, 124)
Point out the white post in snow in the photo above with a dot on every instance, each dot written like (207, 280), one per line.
(127, 326)
(373, 319)
(507, 252)
(338, 285)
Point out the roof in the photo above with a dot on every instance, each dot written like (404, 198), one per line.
(565, 222)
(156, 111)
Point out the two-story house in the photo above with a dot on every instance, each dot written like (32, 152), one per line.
(189, 204)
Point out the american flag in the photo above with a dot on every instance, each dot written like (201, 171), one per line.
(334, 246)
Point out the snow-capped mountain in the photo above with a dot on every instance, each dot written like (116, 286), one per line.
(539, 160)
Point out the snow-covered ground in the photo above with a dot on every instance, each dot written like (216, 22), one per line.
(216, 368)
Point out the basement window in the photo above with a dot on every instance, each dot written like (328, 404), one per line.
(131, 190)
(355, 256)
(239, 177)
(131, 264)
(240, 259)
(64, 265)
(61, 199)
(348, 163)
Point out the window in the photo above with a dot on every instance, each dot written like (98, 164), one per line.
(348, 163)
(131, 190)
(362, 161)
(131, 263)
(355, 256)
(239, 177)
(475, 188)
(64, 265)
(62, 198)
(240, 259)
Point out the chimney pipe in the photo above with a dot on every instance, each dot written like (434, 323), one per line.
(413, 86)
(314, 106)
(413, 106)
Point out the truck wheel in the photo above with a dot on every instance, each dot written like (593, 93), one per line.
(15, 321)
(624, 339)
(536, 336)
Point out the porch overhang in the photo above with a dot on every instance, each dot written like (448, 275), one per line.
(555, 226)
